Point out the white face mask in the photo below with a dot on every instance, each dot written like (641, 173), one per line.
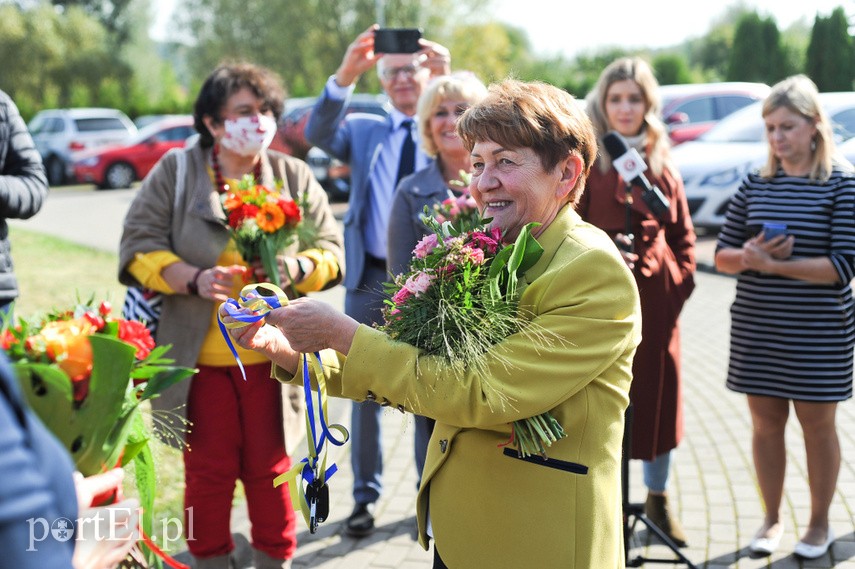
(248, 136)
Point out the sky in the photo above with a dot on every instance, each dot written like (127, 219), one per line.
(570, 27)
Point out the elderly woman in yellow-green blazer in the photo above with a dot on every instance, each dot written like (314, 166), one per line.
(482, 505)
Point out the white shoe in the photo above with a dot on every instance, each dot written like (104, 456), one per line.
(808, 551)
(766, 545)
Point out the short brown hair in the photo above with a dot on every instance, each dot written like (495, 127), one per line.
(534, 115)
(226, 80)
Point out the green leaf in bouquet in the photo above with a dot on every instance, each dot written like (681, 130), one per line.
(92, 430)
(164, 379)
(46, 387)
(268, 252)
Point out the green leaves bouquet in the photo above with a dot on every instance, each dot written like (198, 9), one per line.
(460, 297)
(85, 373)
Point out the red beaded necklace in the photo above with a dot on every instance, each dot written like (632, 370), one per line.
(219, 181)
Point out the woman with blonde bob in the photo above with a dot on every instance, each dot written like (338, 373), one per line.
(440, 106)
(789, 235)
(531, 148)
(660, 249)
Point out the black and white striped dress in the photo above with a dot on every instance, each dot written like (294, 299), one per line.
(790, 338)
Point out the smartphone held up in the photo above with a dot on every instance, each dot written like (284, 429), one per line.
(397, 40)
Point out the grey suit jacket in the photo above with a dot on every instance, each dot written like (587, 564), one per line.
(357, 140)
(422, 188)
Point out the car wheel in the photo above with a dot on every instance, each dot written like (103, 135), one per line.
(55, 169)
(119, 175)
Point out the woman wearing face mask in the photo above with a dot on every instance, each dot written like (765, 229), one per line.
(175, 241)
(660, 249)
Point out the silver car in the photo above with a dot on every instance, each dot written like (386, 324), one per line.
(60, 133)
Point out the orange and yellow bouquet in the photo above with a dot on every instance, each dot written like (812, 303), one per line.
(263, 222)
(85, 373)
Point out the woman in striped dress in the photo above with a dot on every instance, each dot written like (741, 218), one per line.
(793, 327)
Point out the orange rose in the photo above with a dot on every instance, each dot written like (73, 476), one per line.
(67, 343)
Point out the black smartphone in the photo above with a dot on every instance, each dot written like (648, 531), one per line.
(397, 40)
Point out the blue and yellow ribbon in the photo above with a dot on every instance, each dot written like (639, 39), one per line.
(252, 307)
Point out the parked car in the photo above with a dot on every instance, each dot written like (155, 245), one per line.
(692, 109)
(332, 174)
(118, 166)
(714, 165)
(847, 149)
(145, 120)
(59, 133)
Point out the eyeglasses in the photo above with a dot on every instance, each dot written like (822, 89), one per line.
(407, 71)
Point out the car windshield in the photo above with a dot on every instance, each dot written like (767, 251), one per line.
(744, 125)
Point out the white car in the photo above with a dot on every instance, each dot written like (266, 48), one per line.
(847, 149)
(713, 165)
(59, 133)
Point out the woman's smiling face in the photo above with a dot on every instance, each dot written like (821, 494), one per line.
(511, 187)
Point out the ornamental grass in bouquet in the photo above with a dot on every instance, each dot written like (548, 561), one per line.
(459, 297)
(263, 222)
(85, 373)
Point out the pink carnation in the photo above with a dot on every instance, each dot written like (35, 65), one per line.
(474, 254)
(466, 202)
(425, 246)
(484, 241)
(401, 296)
(418, 283)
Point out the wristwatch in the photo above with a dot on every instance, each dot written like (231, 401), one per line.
(303, 268)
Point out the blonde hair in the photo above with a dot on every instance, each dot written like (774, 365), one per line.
(800, 95)
(535, 115)
(657, 144)
(460, 86)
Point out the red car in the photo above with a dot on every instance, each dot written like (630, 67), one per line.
(119, 166)
(692, 109)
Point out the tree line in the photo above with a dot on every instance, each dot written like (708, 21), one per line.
(74, 53)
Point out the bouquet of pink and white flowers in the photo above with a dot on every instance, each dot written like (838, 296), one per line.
(460, 297)
(459, 209)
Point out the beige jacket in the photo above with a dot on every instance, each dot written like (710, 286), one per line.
(196, 232)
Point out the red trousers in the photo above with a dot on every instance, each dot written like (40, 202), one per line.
(236, 433)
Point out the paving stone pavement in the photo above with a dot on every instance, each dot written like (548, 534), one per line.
(712, 485)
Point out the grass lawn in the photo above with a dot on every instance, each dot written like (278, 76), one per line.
(54, 273)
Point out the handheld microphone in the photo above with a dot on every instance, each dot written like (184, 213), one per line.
(630, 165)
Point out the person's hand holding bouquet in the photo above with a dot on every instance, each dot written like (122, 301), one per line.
(105, 533)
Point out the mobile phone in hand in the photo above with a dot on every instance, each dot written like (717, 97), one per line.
(397, 40)
(772, 230)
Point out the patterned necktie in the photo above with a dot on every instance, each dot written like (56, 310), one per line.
(408, 152)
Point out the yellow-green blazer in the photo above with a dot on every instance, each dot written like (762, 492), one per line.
(487, 507)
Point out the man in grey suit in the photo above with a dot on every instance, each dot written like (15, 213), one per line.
(379, 154)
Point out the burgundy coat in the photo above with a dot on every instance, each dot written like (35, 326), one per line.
(665, 276)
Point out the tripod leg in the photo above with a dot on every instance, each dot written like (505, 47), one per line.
(665, 540)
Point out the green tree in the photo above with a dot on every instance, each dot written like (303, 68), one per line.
(671, 68)
(830, 60)
(115, 15)
(68, 51)
(757, 53)
(304, 40)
